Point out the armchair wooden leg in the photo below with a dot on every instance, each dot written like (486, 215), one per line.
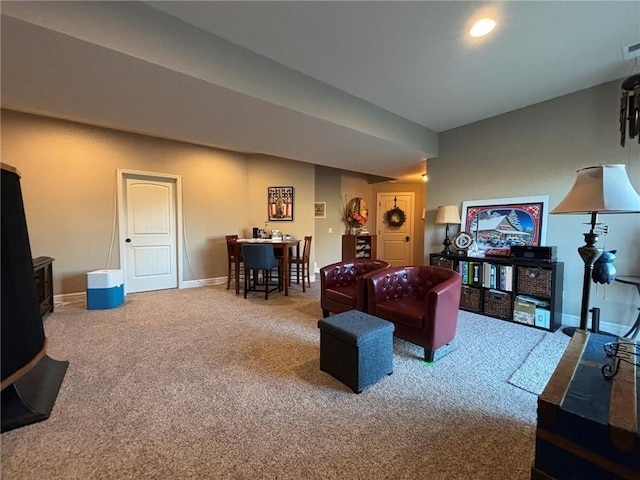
(429, 355)
(435, 355)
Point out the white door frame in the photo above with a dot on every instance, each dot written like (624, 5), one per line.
(122, 175)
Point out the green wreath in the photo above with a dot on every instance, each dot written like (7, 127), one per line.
(395, 217)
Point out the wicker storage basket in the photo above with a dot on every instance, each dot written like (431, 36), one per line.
(470, 299)
(534, 281)
(497, 304)
(442, 262)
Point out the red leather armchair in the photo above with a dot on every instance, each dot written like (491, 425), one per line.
(342, 287)
(422, 301)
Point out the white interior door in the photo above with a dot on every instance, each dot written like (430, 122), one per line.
(149, 233)
(395, 244)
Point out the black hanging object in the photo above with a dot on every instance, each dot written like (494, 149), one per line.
(630, 108)
(30, 379)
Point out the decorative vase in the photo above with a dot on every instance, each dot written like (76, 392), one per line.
(603, 269)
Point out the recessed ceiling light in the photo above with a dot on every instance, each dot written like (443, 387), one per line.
(482, 27)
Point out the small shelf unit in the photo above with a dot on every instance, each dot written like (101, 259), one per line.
(359, 247)
(528, 292)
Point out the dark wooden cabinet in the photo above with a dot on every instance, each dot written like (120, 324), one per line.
(43, 271)
(359, 247)
(522, 291)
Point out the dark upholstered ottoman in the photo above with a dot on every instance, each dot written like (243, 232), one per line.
(356, 348)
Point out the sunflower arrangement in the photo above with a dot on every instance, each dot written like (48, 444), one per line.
(354, 219)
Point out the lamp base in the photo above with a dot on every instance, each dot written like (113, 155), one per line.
(570, 331)
(446, 242)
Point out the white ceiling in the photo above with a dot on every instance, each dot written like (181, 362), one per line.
(364, 86)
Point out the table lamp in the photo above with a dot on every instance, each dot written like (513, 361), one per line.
(598, 189)
(447, 214)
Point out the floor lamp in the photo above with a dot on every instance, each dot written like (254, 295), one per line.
(447, 214)
(599, 189)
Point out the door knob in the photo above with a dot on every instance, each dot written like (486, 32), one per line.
(406, 239)
(128, 240)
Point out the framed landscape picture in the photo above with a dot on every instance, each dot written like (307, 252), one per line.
(498, 224)
(280, 204)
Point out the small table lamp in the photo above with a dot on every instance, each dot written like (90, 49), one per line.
(599, 189)
(447, 214)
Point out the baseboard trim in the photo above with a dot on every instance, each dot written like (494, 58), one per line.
(204, 282)
(82, 296)
(609, 327)
(64, 298)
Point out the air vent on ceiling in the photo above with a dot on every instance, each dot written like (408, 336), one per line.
(631, 51)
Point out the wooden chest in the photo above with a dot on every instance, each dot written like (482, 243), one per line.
(588, 424)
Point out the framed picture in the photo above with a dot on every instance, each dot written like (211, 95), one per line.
(497, 224)
(320, 210)
(280, 204)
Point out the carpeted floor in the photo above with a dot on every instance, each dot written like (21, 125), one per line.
(201, 383)
(537, 369)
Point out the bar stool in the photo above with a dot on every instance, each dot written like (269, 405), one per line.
(302, 262)
(260, 259)
(231, 243)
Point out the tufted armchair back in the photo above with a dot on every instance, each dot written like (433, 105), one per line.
(341, 287)
(344, 274)
(412, 281)
(422, 301)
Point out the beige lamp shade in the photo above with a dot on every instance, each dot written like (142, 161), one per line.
(600, 189)
(448, 214)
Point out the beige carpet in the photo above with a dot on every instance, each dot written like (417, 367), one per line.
(201, 383)
(537, 369)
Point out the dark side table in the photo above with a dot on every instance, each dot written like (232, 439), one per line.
(43, 272)
(632, 280)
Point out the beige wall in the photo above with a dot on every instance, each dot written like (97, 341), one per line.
(329, 230)
(69, 192)
(69, 178)
(336, 187)
(266, 171)
(536, 151)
